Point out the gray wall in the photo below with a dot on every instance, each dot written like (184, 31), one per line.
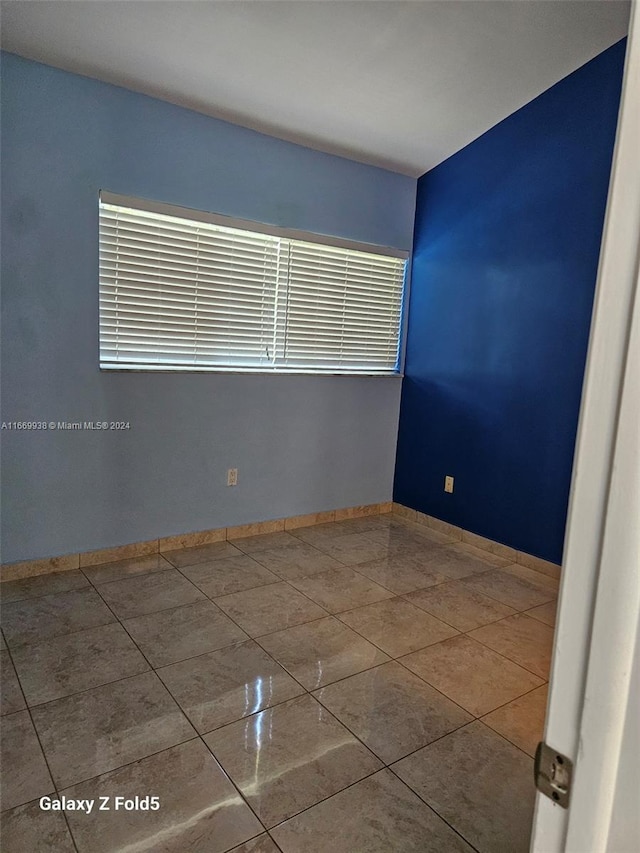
(301, 443)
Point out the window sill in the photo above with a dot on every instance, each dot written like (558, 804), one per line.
(252, 372)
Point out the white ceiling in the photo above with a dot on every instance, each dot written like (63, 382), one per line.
(398, 84)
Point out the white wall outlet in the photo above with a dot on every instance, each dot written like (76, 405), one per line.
(232, 477)
(448, 484)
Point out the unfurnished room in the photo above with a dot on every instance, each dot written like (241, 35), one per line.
(320, 426)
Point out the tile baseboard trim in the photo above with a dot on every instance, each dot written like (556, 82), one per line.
(537, 563)
(68, 562)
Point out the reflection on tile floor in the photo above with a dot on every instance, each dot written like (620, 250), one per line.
(227, 685)
(200, 808)
(378, 814)
(320, 652)
(391, 710)
(354, 686)
(290, 757)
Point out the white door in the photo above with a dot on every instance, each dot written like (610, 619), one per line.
(592, 715)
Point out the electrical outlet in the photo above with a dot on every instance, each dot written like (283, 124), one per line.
(448, 484)
(232, 477)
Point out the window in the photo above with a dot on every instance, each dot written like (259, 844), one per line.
(183, 290)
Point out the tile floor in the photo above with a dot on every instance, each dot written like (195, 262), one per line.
(356, 687)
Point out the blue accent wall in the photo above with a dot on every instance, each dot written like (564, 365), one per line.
(506, 247)
(301, 443)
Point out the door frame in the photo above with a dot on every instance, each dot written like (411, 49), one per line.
(599, 603)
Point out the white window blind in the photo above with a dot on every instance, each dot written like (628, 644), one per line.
(190, 293)
(344, 309)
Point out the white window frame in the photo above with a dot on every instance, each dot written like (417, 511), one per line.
(304, 243)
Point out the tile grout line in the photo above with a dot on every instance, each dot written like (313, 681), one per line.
(517, 663)
(506, 739)
(162, 554)
(336, 615)
(119, 622)
(391, 514)
(197, 735)
(306, 692)
(402, 757)
(34, 705)
(434, 810)
(481, 574)
(341, 724)
(257, 641)
(248, 638)
(391, 657)
(42, 751)
(377, 513)
(384, 766)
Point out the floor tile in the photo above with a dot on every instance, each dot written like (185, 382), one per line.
(296, 561)
(264, 541)
(77, 662)
(364, 524)
(183, 632)
(544, 613)
(47, 584)
(24, 774)
(402, 572)
(287, 758)
(354, 548)
(341, 589)
(481, 554)
(38, 619)
(224, 686)
(261, 844)
(29, 829)
(538, 579)
(526, 641)
(121, 569)
(521, 721)
(11, 698)
(229, 574)
(201, 554)
(149, 593)
(269, 608)
(470, 674)
(318, 533)
(510, 590)
(399, 540)
(491, 545)
(396, 626)
(454, 563)
(320, 652)
(391, 710)
(390, 819)
(459, 605)
(480, 784)
(96, 731)
(439, 537)
(200, 810)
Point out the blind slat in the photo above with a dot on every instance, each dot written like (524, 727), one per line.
(186, 294)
